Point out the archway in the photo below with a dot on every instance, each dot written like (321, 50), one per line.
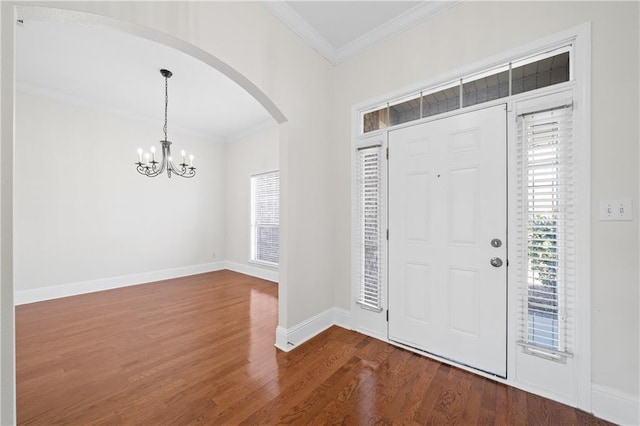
(10, 13)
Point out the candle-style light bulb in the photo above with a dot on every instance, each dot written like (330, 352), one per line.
(146, 156)
(191, 157)
(153, 153)
(139, 155)
(183, 154)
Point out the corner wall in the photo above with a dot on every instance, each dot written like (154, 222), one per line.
(253, 154)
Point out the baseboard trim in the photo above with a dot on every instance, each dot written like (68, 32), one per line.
(615, 406)
(255, 271)
(281, 339)
(72, 289)
(342, 318)
(288, 339)
(304, 331)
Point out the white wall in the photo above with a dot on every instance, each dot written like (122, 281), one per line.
(256, 153)
(472, 31)
(82, 211)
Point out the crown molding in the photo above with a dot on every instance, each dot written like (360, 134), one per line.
(301, 27)
(400, 23)
(66, 98)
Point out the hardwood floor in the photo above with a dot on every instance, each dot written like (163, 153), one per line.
(200, 350)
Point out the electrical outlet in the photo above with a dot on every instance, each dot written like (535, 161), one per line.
(616, 210)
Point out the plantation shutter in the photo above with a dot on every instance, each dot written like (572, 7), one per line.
(266, 217)
(369, 187)
(546, 224)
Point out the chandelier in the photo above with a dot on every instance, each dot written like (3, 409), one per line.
(152, 168)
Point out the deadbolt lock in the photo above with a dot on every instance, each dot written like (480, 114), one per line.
(496, 242)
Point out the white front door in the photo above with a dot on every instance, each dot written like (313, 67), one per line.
(447, 203)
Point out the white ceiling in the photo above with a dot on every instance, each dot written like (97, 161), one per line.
(120, 72)
(339, 30)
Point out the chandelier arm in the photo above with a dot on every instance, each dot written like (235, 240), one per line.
(149, 171)
(184, 171)
(153, 169)
(174, 169)
(187, 174)
(163, 166)
(179, 170)
(140, 168)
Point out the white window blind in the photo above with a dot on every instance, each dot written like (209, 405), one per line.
(265, 217)
(369, 187)
(546, 232)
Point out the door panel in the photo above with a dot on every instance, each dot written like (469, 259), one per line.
(463, 208)
(463, 301)
(417, 213)
(419, 285)
(447, 201)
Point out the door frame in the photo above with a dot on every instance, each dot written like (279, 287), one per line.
(375, 324)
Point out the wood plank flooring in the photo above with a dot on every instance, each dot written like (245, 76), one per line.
(199, 350)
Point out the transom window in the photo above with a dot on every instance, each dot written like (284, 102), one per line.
(515, 77)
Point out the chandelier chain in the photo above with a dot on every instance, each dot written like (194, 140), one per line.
(166, 105)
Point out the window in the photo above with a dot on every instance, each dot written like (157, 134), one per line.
(444, 100)
(369, 188)
(404, 110)
(542, 73)
(265, 217)
(486, 88)
(547, 231)
(375, 120)
(530, 73)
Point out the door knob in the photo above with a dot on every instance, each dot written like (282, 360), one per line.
(496, 242)
(496, 261)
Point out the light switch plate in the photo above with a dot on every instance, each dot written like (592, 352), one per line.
(616, 210)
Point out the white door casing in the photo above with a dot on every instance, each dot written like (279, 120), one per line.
(447, 202)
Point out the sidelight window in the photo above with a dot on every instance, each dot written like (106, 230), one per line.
(369, 189)
(547, 231)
